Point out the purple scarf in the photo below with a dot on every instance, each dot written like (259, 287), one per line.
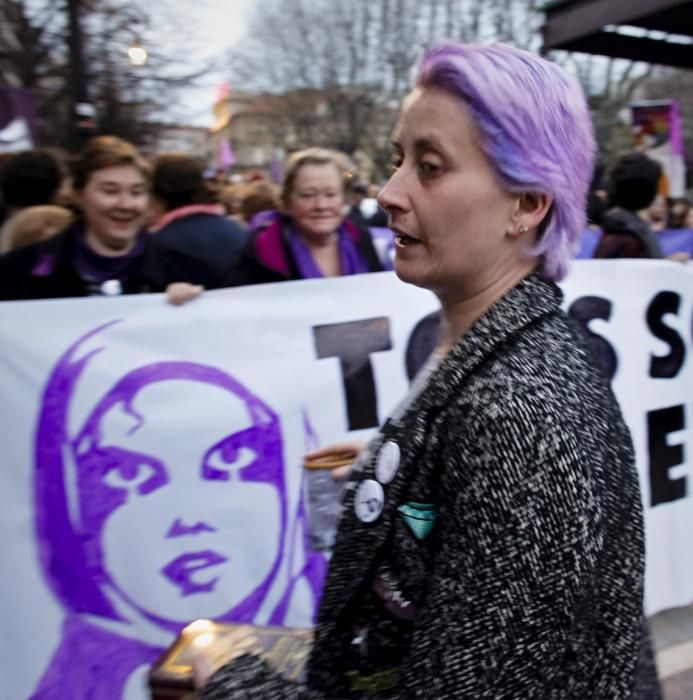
(97, 268)
(350, 262)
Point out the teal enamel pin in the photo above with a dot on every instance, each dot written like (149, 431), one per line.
(419, 517)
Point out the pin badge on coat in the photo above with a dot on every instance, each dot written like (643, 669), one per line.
(369, 500)
(388, 462)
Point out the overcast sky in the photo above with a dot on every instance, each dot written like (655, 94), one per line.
(219, 23)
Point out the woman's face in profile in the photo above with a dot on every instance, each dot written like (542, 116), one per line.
(316, 200)
(176, 543)
(447, 207)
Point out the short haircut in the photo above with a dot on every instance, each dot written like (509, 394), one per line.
(634, 182)
(312, 156)
(231, 197)
(178, 180)
(536, 131)
(106, 152)
(30, 178)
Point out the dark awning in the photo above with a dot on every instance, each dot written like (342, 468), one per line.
(614, 28)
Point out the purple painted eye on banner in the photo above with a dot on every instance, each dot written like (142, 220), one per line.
(154, 504)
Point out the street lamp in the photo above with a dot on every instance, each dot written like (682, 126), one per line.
(137, 54)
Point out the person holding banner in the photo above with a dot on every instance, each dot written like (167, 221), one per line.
(310, 237)
(107, 251)
(491, 543)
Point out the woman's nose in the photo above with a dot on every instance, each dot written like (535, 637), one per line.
(127, 200)
(392, 195)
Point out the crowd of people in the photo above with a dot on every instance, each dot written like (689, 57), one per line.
(527, 581)
(113, 222)
(120, 224)
(631, 211)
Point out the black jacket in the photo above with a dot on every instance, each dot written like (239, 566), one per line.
(626, 235)
(45, 270)
(213, 238)
(529, 585)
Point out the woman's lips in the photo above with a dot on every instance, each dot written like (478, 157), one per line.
(181, 570)
(402, 240)
(123, 220)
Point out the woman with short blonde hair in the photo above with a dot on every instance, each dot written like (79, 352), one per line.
(310, 237)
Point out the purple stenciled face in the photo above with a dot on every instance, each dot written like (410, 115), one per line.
(175, 496)
(175, 466)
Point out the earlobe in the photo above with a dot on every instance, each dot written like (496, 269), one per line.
(532, 209)
(517, 228)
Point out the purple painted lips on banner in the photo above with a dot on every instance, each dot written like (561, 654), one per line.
(182, 569)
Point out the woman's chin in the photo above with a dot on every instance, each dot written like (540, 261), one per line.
(407, 273)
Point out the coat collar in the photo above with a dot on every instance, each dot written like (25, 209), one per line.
(530, 300)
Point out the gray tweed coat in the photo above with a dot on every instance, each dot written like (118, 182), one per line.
(507, 561)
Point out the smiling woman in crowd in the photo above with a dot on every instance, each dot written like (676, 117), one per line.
(107, 251)
(491, 543)
(310, 237)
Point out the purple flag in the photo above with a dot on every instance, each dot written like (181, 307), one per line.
(276, 168)
(17, 119)
(226, 155)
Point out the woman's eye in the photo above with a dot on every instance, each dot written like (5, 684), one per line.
(429, 168)
(218, 466)
(129, 476)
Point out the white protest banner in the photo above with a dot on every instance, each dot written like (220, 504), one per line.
(151, 468)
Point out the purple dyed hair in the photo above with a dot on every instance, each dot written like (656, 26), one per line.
(536, 130)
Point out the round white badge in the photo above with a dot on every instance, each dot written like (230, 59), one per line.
(111, 288)
(369, 500)
(388, 462)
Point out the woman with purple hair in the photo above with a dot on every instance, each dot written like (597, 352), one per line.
(491, 543)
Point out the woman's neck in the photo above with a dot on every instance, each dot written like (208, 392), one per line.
(321, 241)
(100, 248)
(460, 313)
(326, 255)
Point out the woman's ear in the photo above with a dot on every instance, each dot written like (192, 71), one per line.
(531, 209)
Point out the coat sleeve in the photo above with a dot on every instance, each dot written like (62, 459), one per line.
(15, 267)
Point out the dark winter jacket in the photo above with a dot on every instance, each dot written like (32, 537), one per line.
(626, 235)
(506, 558)
(46, 271)
(267, 256)
(214, 238)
